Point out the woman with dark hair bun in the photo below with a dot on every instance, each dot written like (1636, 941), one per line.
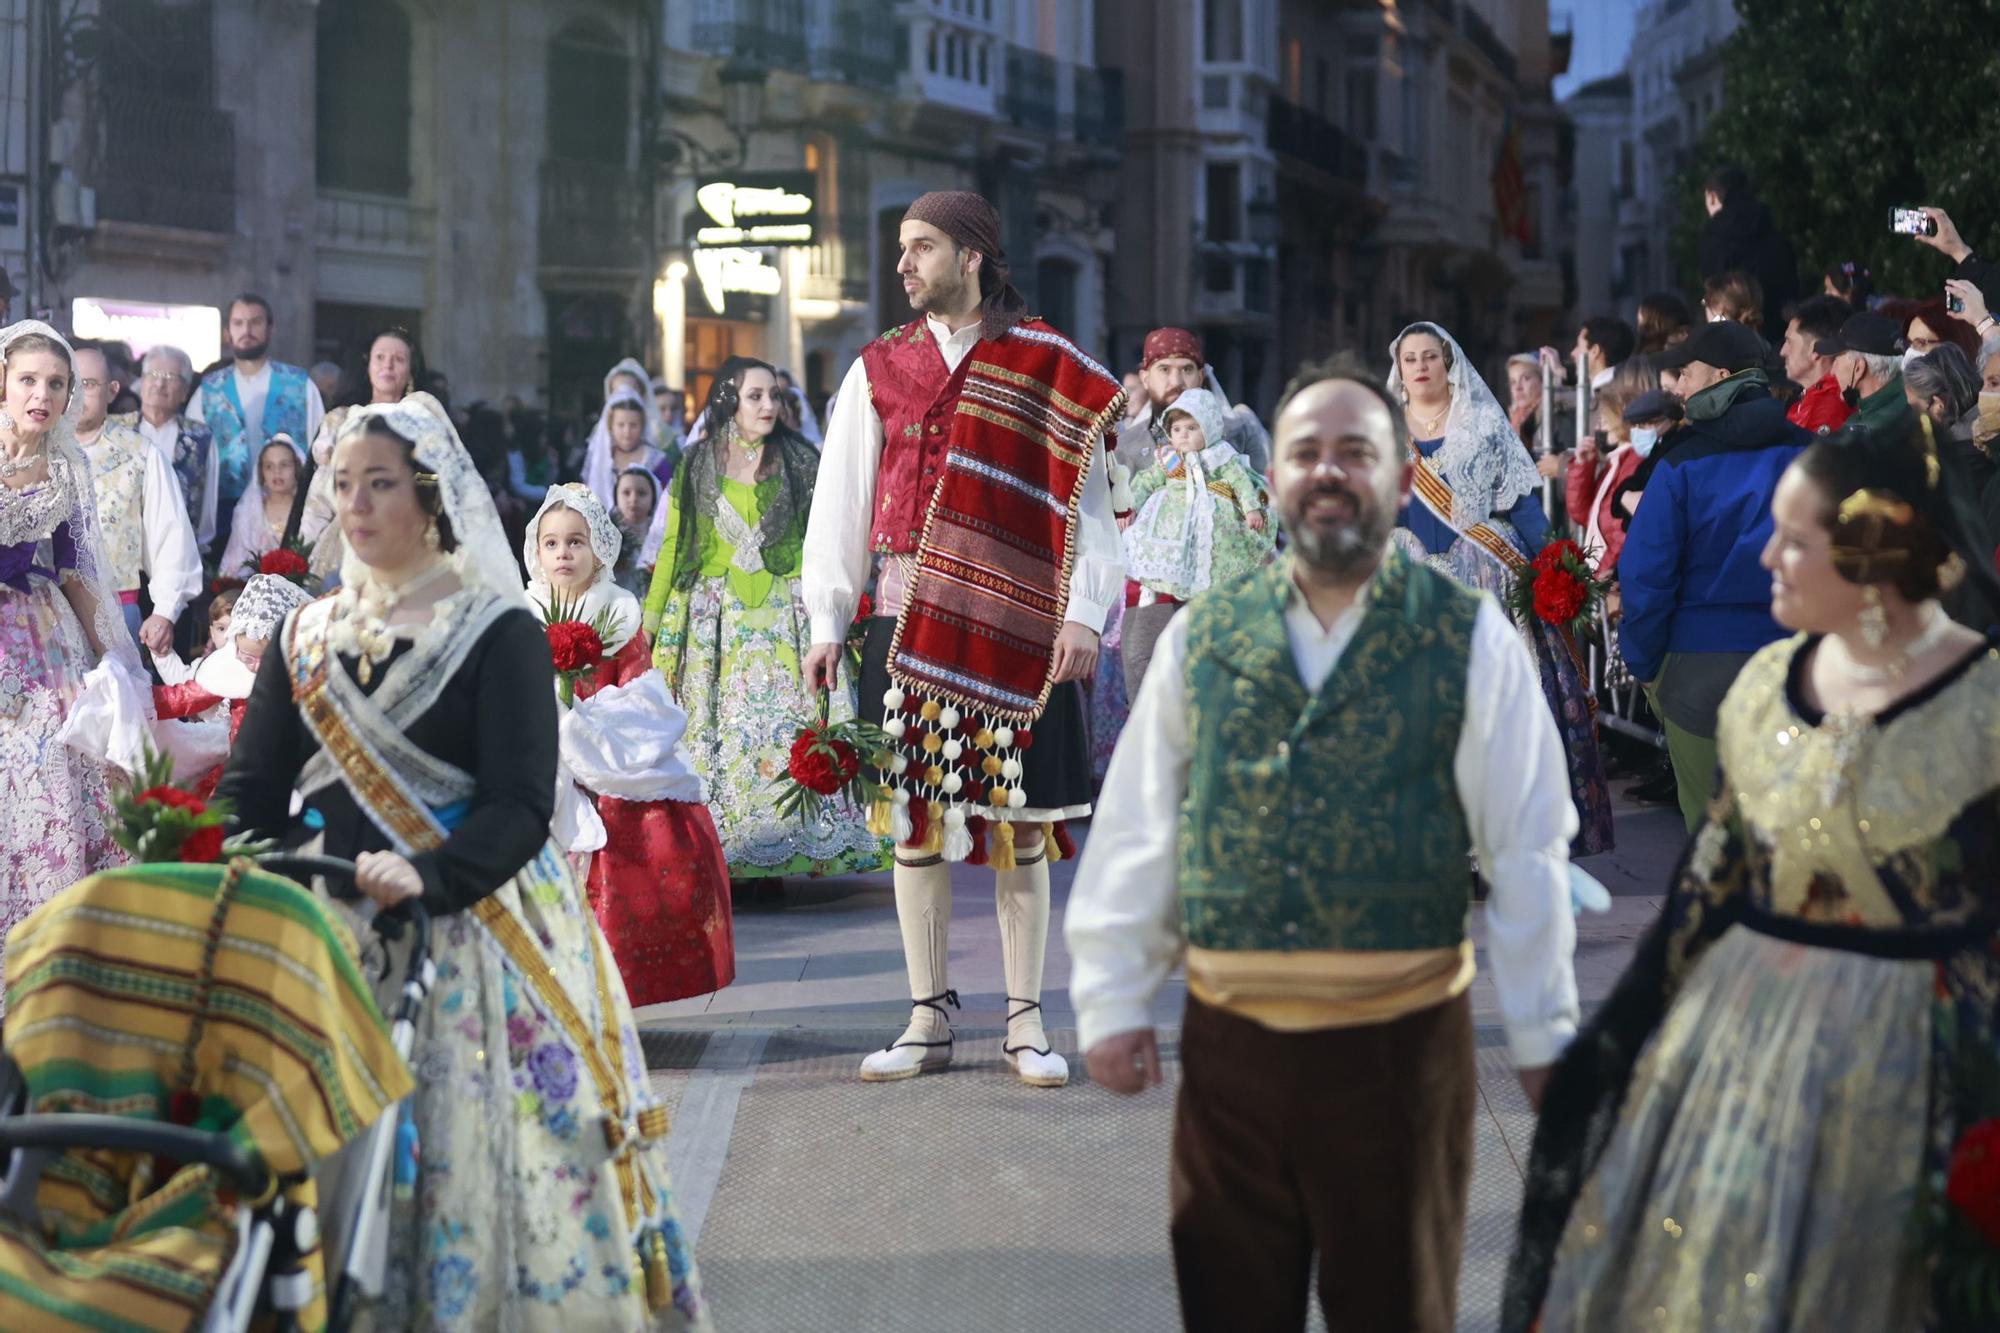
(414, 712)
(1775, 1121)
(726, 603)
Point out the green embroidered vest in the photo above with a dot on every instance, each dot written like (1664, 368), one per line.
(1328, 820)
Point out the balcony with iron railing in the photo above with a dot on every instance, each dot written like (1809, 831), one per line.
(1030, 98)
(1100, 106)
(593, 216)
(773, 31)
(1310, 138)
(165, 162)
(865, 46)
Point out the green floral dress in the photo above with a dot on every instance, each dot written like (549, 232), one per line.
(730, 647)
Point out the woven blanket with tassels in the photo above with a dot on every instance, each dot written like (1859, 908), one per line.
(973, 659)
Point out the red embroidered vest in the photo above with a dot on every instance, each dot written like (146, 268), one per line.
(915, 395)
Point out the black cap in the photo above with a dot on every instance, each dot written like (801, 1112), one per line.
(1722, 343)
(1867, 332)
(1651, 404)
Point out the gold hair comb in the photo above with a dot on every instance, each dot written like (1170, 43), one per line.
(1870, 502)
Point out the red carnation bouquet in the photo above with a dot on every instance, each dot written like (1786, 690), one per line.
(826, 764)
(165, 822)
(289, 561)
(1960, 1223)
(1558, 589)
(576, 645)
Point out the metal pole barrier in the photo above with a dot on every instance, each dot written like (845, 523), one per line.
(1548, 440)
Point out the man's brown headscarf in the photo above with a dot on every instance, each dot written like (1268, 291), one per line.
(972, 222)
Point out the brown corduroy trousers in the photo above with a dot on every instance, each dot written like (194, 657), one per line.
(1352, 1143)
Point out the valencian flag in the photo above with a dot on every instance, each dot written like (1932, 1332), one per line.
(1510, 185)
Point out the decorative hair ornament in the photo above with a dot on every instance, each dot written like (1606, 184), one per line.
(1871, 502)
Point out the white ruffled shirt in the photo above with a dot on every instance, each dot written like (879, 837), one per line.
(837, 555)
(1123, 921)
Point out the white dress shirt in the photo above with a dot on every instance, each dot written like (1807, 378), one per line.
(251, 391)
(167, 440)
(1123, 922)
(167, 550)
(837, 554)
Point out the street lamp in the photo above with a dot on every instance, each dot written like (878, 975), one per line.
(742, 78)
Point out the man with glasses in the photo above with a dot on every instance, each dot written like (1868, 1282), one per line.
(142, 519)
(166, 378)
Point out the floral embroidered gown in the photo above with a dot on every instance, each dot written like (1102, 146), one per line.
(730, 647)
(523, 1217)
(1756, 1130)
(55, 803)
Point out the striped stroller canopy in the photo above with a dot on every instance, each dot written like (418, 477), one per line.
(158, 992)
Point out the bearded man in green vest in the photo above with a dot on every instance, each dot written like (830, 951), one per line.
(1314, 756)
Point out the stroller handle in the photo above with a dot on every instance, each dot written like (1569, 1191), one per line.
(388, 923)
(236, 1163)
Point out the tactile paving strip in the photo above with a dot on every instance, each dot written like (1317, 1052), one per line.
(967, 1200)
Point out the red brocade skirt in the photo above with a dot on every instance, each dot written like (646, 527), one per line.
(660, 888)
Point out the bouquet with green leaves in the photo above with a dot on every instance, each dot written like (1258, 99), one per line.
(163, 821)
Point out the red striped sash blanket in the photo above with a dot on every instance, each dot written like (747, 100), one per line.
(974, 652)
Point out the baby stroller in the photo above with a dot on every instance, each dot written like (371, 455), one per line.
(184, 1045)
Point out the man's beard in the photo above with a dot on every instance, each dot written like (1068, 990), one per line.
(941, 298)
(1343, 548)
(1162, 404)
(251, 351)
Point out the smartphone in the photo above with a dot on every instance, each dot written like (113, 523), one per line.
(1912, 222)
(1953, 305)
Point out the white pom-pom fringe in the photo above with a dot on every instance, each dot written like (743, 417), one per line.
(952, 750)
(899, 764)
(893, 696)
(902, 798)
(949, 717)
(1010, 769)
(1016, 799)
(1003, 736)
(894, 726)
(957, 841)
(954, 816)
(952, 783)
(899, 820)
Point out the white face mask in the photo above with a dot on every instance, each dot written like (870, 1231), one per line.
(1910, 354)
(1644, 438)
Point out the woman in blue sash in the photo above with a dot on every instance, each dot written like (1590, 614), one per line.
(415, 713)
(1475, 514)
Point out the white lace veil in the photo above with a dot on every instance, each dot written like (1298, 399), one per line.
(69, 467)
(483, 559)
(605, 543)
(599, 472)
(1481, 458)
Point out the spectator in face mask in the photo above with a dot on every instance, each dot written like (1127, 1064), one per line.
(1594, 485)
(1868, 364)
(1820, 407)
(1697, 598)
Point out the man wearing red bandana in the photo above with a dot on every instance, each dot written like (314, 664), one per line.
(1171, 361)
(964, 466)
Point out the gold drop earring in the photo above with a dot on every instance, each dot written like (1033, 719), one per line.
(1874, 620)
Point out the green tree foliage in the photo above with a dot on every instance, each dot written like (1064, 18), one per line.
(1842, 109)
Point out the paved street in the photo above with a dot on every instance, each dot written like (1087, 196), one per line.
(967, 1200)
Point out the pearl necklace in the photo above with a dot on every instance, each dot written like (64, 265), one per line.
(1430, 431)
(361, 618)
(1929, 637)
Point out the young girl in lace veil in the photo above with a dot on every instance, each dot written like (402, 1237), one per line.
(658, 883)
(1476, 515)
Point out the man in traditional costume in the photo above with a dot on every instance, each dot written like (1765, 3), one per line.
(142, 518)
(1316, 751)
(1172, 362)
(247, 403)
(166, 379)
(965, 451)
